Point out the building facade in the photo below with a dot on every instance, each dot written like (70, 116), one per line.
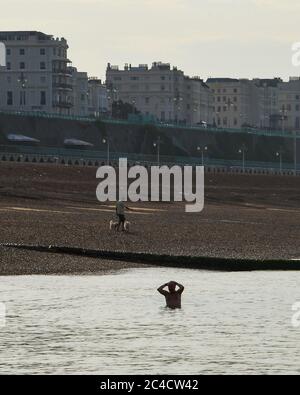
(161, 92)
(36, 76)
(98, 103)
(236, 102)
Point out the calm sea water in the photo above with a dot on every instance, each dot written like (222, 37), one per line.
(117, 324)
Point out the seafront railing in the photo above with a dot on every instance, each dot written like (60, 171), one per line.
(163, 125)
(66, 156)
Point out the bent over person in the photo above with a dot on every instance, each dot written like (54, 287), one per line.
(120, 210)
(172, 295)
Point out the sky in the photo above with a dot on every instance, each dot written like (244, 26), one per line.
(206, 38)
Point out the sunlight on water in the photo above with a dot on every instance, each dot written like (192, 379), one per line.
(230, 323)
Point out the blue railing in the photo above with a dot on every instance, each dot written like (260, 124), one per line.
(142, 122)
(86, 155)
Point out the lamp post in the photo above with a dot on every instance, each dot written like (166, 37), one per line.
(295, 152)
(106, 141)
(156, 144)
(202, 150)
(242, 151)
(279, 155)
(283, 116)
(177, 101)
(22, 81)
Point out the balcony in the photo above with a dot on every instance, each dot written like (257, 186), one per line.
(62, 71)
(62, 104)
(63, 86)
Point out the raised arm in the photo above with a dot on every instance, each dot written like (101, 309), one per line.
(162, 291)
(181, 288)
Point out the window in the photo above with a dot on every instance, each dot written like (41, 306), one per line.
(10, 100)
(43, 66)
(8, 51)
(147, 100)
(22, 65)
(297, 107)
(22, 51)
(43, 98)
(82, 97)
(8, 66)
(42, 51)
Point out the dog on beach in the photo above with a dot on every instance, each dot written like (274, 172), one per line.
(113, 225)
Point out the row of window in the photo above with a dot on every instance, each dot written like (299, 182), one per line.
(235, 90)
(22, 51)
(60, 52)
(11, 99)
(136, 78)
(43, 79)
(22, 66)
(225, 108)
(225, 99)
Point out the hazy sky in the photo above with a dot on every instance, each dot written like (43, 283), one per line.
(236, 38)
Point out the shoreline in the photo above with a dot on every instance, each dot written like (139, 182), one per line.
(17, 262)
(103, 261)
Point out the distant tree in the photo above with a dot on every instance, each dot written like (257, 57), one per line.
(121, 110)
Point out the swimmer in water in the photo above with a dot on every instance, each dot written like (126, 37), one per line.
(173, 295)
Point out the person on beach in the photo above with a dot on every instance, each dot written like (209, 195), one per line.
(173, 295)
(120, 210)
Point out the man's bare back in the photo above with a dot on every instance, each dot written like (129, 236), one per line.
(173, 295)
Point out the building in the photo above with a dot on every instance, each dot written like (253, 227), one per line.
(80, 92)
(236, 102)
(288, 104)
(97, 98)
(199, 101)
(160, 92)
(36, 76)
(268, 102)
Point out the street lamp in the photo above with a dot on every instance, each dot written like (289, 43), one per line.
(202, 150)
(156, 144)
(177, 101)
(295, 152)
(283, 116)
(22, 81)
(242, 151)
(279, 155)
(106, 141)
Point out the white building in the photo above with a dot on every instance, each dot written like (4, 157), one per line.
(236, 102)
(97, 98)
(161, 92)
(80, 92)
(288, 111)
(36, 76)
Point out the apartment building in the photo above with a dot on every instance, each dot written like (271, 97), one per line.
(97, 98)
(80, 92)
(36, 76)
(236, 102)
(199, 101)
(288, 104)
(268, 102)
(160, 91)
